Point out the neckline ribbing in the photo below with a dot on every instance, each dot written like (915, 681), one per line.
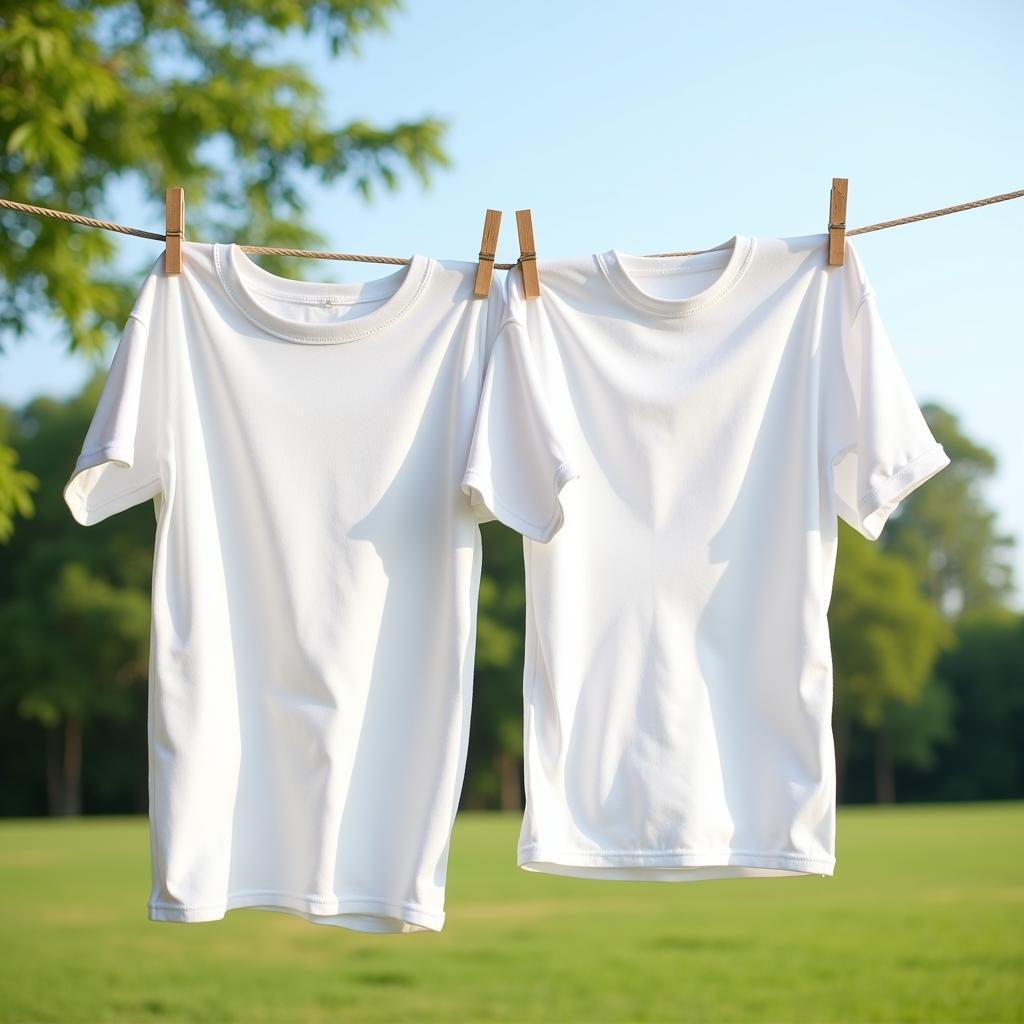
(244, 280)
(621, 270)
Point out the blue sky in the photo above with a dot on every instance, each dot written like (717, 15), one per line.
(676, 125)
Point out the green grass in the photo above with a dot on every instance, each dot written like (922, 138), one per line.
(923, 921)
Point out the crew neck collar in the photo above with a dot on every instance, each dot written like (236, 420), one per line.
(623, 269)
(245, 281)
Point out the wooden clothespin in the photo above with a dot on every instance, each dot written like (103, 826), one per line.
(837, 222)
(488, 248)
(175, 229)
(527, 254)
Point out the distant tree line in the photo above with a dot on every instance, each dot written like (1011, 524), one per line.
(929, 700)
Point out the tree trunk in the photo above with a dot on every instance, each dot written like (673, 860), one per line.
(64, 768)
(885, 771)
(841, 734)
(510, 781)
(53, 771)
(73, 766)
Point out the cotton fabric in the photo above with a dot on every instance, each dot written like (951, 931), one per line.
(721, 411)
(315, 579)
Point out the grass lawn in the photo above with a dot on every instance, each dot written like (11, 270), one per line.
(923, 921)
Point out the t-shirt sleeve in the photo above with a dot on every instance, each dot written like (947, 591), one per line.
(517, 466)
(878, 445)
(119, 465)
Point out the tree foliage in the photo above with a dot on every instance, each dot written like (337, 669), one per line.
(943, 543)
(885, 634)
(74, 605)
(496, 734)
(16, 484)
(985, 674)
(947, 532)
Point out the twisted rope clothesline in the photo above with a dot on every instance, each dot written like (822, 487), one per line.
(74, 218)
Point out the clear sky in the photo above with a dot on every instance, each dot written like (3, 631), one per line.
(657, 126)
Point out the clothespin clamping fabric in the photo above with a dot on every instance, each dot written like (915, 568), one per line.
(488, 249)
(837, 222)
(527, 254)
(175, 229)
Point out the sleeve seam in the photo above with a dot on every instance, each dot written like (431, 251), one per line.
(908, 469)
(536, 531)
(98, 506)
(112, 446)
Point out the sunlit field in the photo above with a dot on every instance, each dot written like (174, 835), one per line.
(924, 921)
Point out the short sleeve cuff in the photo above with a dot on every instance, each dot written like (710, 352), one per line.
(488, 506)
(875, 507)
(81, 493)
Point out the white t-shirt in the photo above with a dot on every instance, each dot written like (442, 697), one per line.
(721, 410)
(314, 581)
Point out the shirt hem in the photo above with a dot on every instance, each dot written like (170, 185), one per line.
(671, 865)
(367, 915)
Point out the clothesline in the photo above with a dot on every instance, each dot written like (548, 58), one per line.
(74, 218)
